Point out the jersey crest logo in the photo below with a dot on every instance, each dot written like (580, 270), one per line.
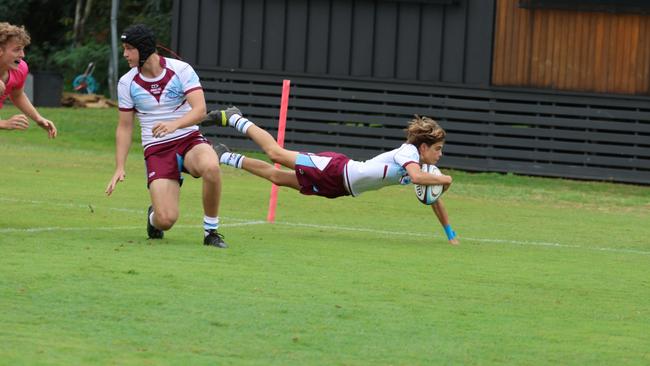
(155, 89)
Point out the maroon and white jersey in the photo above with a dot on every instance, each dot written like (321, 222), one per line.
(162, 99)
(332, 175)
(383, 170)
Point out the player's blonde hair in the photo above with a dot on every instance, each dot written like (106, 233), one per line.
(424, 130)
(9, 31)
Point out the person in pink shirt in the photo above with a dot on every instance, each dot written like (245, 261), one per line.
(13, 72)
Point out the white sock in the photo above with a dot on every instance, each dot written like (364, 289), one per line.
(233, 159)
(240, 123)
(151, 219)
(210, 223)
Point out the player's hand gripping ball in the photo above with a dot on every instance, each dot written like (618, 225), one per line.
(429, 194)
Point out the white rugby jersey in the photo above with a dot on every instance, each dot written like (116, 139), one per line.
(385, 169)
(161, 99)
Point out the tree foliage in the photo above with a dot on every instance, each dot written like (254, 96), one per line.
(57, 46)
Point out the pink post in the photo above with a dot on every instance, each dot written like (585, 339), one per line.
(282, 123)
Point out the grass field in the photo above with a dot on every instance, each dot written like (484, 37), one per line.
(548, 271)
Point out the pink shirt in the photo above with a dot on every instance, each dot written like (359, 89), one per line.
(16, 80)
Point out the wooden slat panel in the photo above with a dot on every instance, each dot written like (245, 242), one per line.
(385, 51)
(408, 41)
(208, 54)
(176, 24)
(296, 36)
(643, 57)
(479, 42)
(188, 29)
(536, 157)
(453, 57)
(500, 40)
(318, 27)
(230, 42)
(366, 113)
(522, 108)
(522, 40)
(571, 50)
(431, 47)
(252, 34)
(273, 45)
(436, 41)
(362, 30)
(533, 96)
(552, 170)
(471, 95)
(622, 142)
(340, 44)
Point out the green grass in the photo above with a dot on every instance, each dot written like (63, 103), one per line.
(549, 271)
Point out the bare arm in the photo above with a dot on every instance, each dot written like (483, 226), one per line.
(424, 178)
(17, 122)
(196, 100)
(123, 136)
(22, 102)
(419, 177)
(441, 213)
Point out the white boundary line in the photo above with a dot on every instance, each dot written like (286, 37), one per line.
(112, 228)
(245, 222)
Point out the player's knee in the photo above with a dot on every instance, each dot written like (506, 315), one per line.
(276, 178)
(212, 173)
(276, 155)
(165, 219)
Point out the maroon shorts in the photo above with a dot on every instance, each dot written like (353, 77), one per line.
(321, 174)
(165, 160)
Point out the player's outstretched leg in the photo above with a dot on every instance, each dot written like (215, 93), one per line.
(257, 167)
(233, 117)
(228, 157)
(220, 149)
(223, 118)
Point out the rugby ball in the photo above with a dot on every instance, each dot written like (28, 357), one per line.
(428, 194)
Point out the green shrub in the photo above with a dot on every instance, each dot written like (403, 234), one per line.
(73, 61)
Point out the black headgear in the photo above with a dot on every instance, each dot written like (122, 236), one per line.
(142, 38)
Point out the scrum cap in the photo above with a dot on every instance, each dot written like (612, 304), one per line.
(142, 38)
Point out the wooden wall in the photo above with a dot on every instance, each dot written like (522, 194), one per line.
(570, 50)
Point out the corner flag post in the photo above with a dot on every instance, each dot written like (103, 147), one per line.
(282, 123)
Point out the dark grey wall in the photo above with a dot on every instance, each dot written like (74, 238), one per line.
(426, 40)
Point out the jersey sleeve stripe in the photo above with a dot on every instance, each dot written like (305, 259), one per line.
(193, 89)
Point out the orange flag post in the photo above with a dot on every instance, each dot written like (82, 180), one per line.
(282, 123)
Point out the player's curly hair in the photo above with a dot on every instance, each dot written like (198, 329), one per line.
(425, 130)
(9, 31)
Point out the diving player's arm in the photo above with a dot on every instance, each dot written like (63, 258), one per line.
(419, 177)
(441, 213)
